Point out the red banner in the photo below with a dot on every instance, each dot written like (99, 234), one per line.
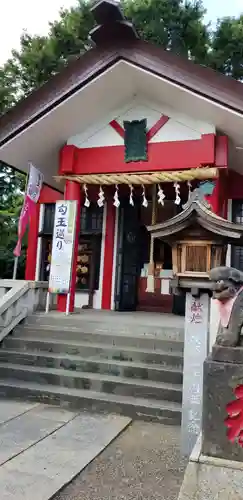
(32, 195)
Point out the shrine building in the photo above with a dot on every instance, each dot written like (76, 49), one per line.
(128, 130)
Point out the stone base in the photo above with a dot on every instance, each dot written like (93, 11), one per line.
(204, 481)
(227, 354)
(220, 379)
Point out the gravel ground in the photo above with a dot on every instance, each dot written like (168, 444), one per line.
(143, 463)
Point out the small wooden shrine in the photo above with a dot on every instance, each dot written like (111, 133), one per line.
(198, 238)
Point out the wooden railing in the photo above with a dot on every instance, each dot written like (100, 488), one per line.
(18, 299)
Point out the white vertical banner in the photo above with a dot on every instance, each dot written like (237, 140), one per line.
(35, 182)
(62, 247)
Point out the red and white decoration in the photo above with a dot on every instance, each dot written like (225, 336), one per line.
(34, 185)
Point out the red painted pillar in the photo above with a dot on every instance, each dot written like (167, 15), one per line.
(31, 257)
(72, 192)
(108, 255)
(219, 197)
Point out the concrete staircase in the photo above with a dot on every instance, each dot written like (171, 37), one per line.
(129, 364)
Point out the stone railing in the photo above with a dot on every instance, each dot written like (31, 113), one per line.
(18, 299)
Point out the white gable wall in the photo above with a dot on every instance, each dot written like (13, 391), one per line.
(178, 128)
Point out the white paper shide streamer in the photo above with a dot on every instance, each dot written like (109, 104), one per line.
(87, 201)
(101, 198)
(161, 196)
(131, 200)
(116, 197)
(189, 185)
(145, 201)
(177, 192)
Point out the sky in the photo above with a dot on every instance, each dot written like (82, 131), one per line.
(17, 15)
(221, 8)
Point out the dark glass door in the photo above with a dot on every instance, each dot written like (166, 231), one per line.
(130, 258)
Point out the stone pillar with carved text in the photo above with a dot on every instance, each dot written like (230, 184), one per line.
(195, 352)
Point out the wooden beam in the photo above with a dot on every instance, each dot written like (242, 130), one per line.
(118, 128)
(157, 126)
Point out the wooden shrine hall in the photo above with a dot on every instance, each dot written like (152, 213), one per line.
(127, 130)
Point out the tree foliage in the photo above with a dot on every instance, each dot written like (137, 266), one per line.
(176, 25)
(12, 185)
(41, 57)
(227, 47)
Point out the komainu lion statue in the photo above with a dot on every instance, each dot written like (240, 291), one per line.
(227, 287)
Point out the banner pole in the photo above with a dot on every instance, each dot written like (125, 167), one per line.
(47, 302)
(15, 268)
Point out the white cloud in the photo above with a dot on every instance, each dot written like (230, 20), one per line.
(221, 8)
(18, 15)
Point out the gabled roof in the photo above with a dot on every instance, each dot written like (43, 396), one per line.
(178, 70)
(197, 210)
(102, 81)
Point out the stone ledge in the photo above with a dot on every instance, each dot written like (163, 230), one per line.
(208, 478)
(209, 482)
(220, 462)
(227, 354)
(196, 452)
(197, 457)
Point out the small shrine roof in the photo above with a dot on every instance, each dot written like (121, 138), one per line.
(197, 210)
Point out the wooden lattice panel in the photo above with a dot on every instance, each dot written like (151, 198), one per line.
(196, 258)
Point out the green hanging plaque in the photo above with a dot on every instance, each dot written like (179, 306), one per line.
(136, 140)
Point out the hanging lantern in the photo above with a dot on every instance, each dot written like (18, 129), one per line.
(177, 192)
(116, 198)
(131, 201)
(101, 197)
(161, 196)
(86, 201)
(145, 201)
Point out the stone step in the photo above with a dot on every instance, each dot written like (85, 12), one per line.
(110, 338)
(94, 350)
(126, 369)
(162, 325)
(153, 308)
(92, 381)
(146, 409)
